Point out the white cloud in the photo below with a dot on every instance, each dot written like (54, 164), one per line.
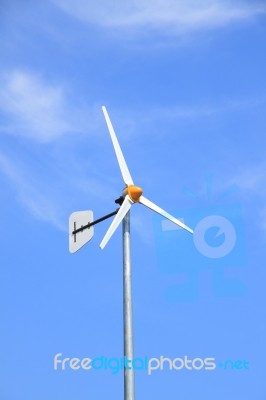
(35, 109)
(263, 218)
(252, 179)
(49, 190)
(173, 16)
(172, 112)
(30, 195)
(252, 182)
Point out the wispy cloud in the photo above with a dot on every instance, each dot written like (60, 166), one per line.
(30, 194)
(51, 188)
(202, 110)
(263, 218)
(153, 114)
(35, 109)
(252, 179)
(50, 195)
(173, 16)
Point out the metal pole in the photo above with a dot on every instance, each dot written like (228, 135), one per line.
(129, 389)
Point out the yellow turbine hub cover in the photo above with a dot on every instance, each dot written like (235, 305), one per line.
(134, 192)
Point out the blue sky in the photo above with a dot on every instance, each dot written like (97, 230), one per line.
(184, 84)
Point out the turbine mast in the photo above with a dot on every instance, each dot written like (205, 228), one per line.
(129, 386)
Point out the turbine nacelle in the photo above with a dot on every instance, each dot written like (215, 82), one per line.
(134, 192)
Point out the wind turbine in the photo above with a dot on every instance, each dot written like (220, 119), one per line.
(131, 195)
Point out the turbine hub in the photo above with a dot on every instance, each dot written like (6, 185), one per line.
(134, 192)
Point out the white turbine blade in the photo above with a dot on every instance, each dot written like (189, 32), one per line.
(121, 161)
(127, 203)
(165, 214)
